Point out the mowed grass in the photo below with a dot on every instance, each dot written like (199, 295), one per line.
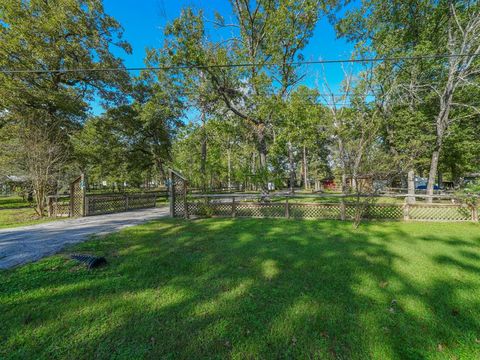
(13, 202)
(14, 211)
(252, 288)
(10, 218)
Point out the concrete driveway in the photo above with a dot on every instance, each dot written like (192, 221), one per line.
(30, 243)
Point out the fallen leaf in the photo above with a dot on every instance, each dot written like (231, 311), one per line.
(440, 347)
(383, 284)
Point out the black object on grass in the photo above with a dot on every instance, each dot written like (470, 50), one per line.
(90, 260)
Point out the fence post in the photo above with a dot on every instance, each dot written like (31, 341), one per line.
(342, 209)
(406, 211)
(70, 207)
(185, 198)
(83, 187)
(171, 190)
(474, 214)
(49, 206)
(287, 208)
(126, 202)
(86, 207)
(234, 207)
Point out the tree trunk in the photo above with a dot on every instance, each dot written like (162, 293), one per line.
(203, 160)
(411, 186)
(291, 163)
(229, 167)
(262, 151)
(306, 185)
(344, 182)
(253, 184)
(432, 175)
(161, 170)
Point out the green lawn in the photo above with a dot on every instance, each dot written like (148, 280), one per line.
(14, 211)
(12, 202)
(20, 217)
(253, 288)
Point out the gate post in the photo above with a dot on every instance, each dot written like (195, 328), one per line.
(178, 194)
(83, 186)
(86, 211)
(406, 211)
(474, 213)
(185, 201)
(171, 190)
(50, 206)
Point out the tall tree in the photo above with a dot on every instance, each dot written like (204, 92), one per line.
(269, 36)
(416, 28)
(41, 50)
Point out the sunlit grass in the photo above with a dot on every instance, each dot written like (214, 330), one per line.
(14, 211)
(10, 218)
(10, 202)
(253, 288)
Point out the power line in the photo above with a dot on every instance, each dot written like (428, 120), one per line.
(186, 66)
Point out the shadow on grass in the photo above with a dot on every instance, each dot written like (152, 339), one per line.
(252, 289)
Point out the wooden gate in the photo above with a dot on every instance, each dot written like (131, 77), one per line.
(178, 194)
(77, 197)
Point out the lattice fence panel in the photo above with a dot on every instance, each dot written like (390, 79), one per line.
(141, 201)
(106, 204)
(383, 212)
(439, 212)
(60, 207)
(221, 208)
(350, 210)
(314, 211)
(261, 210)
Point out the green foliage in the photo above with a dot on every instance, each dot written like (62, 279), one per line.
(47, 107)
(132, 143)
(418, 109)
(269, 34)
(35, 35)
(473, 187)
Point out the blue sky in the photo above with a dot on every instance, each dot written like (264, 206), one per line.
(143, 22)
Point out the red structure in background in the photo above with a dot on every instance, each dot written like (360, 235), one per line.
(328, 184)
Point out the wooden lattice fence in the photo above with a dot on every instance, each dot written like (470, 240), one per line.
(59, 206)
(204, 206)
(80, 203)
(113, 203)
(178, 194)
